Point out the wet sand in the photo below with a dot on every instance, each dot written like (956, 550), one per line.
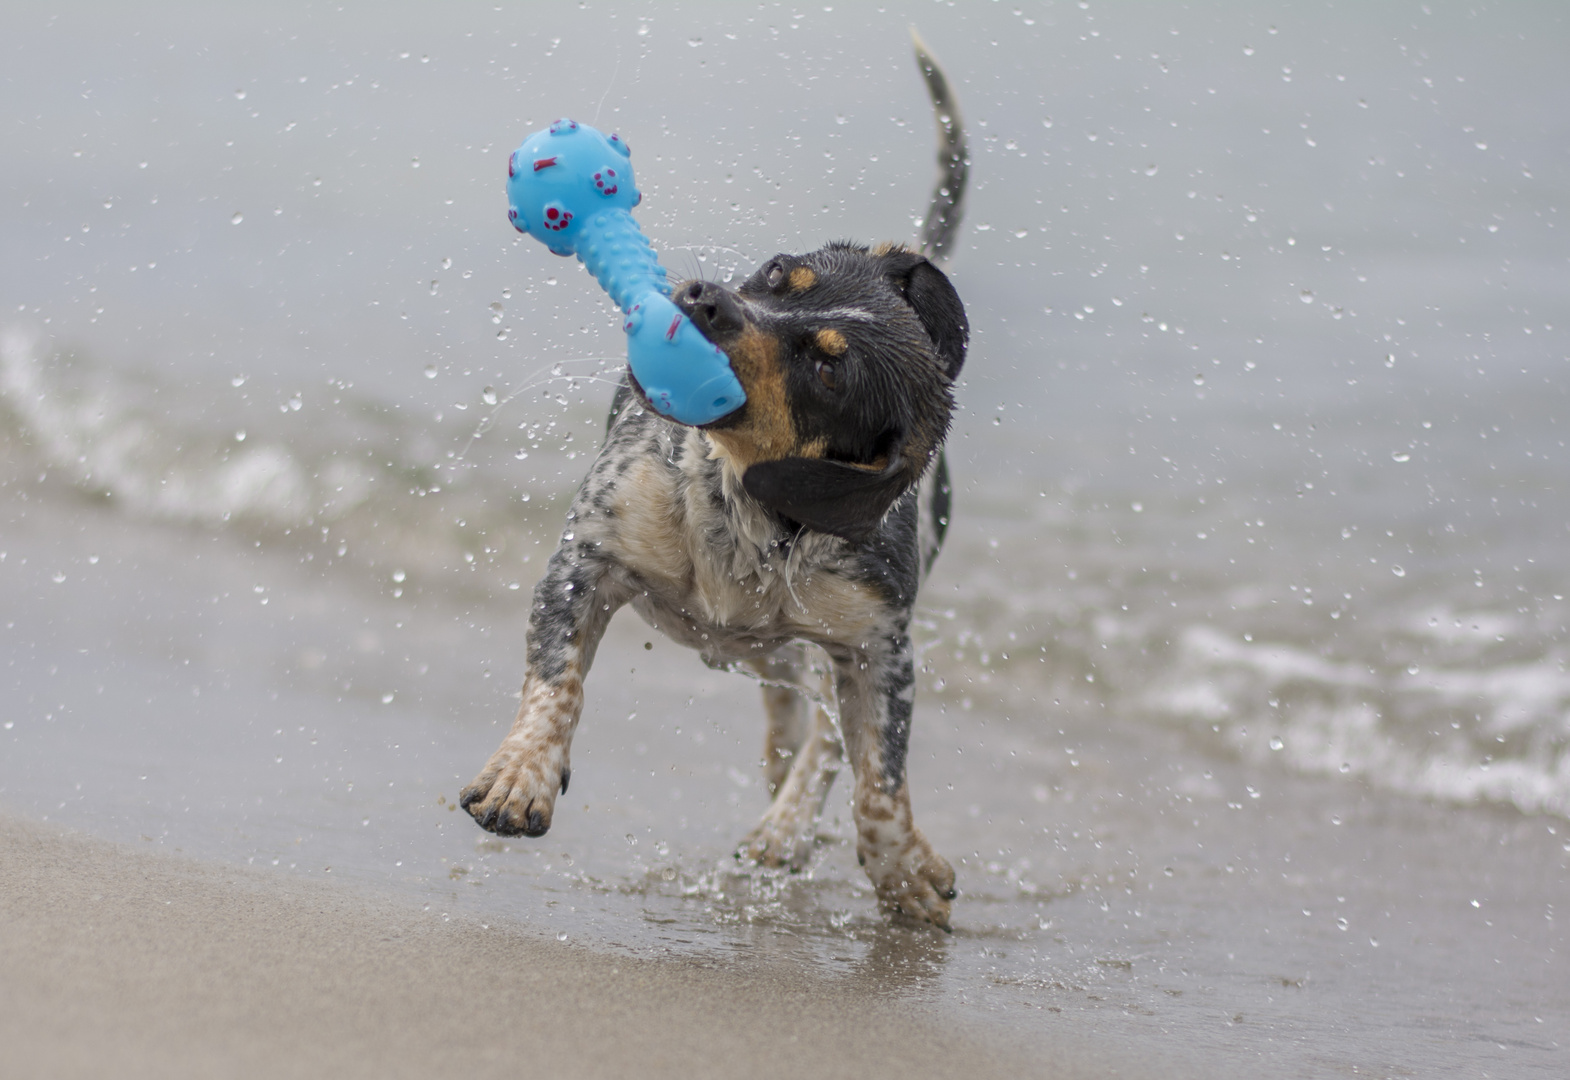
(156, 966)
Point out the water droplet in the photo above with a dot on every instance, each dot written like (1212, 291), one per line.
(237, 381)
(295, 403)
(387, 698)
(693, 43)
(239, 436)
(632, 841)
(238, 217)
(239, 95)
(1199, 380)
(59, 577)
(1398, 571)
(1346, 766)
(1276, 743)
(430, 371)
(414, 163)
(1341, 924)
(1151, 170)
(562, 936)
(1307, 296)
(496, 311)
(1400, 456)
(435, 283)
(1139, 508)
(488, 395)
(1390, 360)
(398, 576)
(447, 263)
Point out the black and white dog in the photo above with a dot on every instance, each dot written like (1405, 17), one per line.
(809, 516)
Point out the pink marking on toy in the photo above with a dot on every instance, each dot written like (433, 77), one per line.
(512, 164)
(670, 335)
(544, 163)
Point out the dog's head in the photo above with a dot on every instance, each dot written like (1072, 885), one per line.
(848, 356)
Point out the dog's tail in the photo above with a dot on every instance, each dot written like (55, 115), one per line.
(947, 205)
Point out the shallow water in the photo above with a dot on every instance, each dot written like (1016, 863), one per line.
(1244, 708)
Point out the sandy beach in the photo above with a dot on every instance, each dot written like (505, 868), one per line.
(154, 966)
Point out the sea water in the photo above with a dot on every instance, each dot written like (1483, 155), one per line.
(1243, 706)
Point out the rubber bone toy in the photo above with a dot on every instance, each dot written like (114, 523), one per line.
(571, 188)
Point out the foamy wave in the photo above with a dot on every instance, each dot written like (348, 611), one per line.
(109, 446)
(1495, 734)
(352, 482)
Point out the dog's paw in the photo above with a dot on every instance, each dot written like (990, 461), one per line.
(515, 793)
(781, 841)
(914, 881)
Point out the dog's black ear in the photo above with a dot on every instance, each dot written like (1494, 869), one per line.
(829, 496)
(927, 290)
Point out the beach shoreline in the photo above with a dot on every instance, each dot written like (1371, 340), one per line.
(167, 966)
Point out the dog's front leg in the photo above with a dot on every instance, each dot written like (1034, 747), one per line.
(516, 791)
(876, 686)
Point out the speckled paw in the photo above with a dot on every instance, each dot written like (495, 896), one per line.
(514, 795)
(778, 843)
(920, 886)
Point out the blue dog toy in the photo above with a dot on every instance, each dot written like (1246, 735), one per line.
(571, 188)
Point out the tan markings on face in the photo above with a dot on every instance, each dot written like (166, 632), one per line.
(832, 342)
(814, 448)
(766, 432)
(877, 464)
(801, 278)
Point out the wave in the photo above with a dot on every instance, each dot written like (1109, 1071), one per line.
(1481, 734)
(1430, 686)
(367, 481)
(1425, 685)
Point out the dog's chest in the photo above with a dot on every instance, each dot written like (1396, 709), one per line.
(712, 573)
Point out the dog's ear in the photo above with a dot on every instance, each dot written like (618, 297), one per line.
(845, 500)
(936, 304)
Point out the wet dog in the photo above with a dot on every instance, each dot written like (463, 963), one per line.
(808, 516)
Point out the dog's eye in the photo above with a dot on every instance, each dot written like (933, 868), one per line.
(774, 275)
(828, 374)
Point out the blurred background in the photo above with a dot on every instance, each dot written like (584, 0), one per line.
(1260, 466)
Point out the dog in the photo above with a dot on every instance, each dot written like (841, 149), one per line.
(807, 517)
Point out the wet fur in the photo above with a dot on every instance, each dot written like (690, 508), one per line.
(808, 516)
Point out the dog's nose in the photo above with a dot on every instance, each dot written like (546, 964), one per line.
(713, 309)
